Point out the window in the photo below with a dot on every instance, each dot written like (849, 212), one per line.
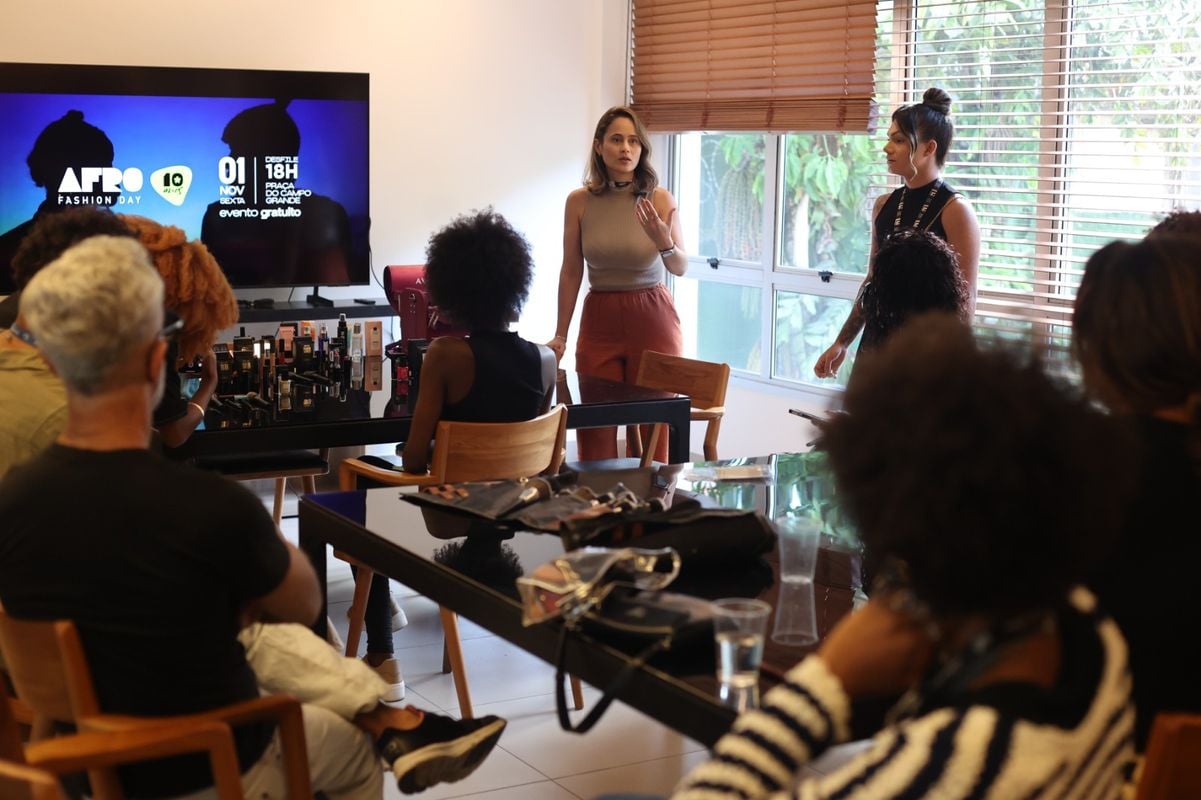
(1077, 122)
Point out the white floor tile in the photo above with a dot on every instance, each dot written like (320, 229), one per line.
(496, 671)
(622, 737)
(656, 777)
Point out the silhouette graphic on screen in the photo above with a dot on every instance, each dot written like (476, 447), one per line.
(67, 143)
(266, 229)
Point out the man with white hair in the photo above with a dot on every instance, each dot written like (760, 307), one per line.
(158, 563)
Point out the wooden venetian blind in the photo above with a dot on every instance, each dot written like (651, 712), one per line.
(1077, 122)
(759, 65)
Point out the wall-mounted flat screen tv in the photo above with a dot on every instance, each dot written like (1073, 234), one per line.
(268, 168)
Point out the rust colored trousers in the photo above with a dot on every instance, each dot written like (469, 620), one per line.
(615, 329)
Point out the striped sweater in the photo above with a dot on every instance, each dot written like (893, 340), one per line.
(999, 741)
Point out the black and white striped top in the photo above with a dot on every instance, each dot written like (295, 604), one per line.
(1013, 740)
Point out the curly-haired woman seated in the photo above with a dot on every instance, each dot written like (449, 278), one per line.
(986, 488)
(1137, 335)
(478, 271)
(915, 272)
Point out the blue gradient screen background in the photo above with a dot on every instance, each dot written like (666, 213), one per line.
(151, 132)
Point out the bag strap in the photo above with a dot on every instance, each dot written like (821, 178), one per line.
(615, 686)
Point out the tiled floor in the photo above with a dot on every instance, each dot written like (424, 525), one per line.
(625, 752)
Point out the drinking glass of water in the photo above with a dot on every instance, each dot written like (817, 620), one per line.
(739, 625)
(796, 620)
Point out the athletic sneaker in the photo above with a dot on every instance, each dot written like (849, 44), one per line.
(439, 750)
(389, 671)
(399, 619)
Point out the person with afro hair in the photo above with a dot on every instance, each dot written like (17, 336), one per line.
(478, 271)
(46, 240)
(195, 290)
(915, 272)
(987, 488)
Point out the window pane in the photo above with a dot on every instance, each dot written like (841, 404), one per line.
(805, 326)
(735, 338)
(721, 194)
(826, 204)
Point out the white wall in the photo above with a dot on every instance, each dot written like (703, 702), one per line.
(473, 102)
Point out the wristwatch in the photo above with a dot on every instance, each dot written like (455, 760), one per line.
(668, 252)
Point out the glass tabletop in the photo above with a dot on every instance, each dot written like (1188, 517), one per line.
(797, 484)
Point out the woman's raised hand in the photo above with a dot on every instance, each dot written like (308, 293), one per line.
(658, 229)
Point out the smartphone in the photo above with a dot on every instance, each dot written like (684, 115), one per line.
(811, 417)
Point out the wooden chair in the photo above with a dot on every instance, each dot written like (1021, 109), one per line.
(50, 673)
(1173, 760)
(463, 451)
(702, 381)
(303, 464)
(27, 772)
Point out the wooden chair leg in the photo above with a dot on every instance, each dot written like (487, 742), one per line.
(454, 648)
(309, 482)
(358, 609)
(648, 452)
(277, 511)
(577, 693)
(445, 656)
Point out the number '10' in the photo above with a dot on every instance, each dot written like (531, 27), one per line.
(232, 170)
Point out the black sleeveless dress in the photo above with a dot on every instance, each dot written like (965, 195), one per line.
(885, 224)
(508, 385)
(931, 221)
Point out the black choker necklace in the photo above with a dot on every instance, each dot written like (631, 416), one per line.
(24, 335)
(619, 184)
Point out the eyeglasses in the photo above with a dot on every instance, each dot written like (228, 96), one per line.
(171, 329)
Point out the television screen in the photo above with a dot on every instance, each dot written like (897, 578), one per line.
(268, 168)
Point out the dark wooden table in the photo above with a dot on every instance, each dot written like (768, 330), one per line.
(323, 420)
(378, 527)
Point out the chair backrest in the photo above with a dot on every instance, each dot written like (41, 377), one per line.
(1173, 755)
(21, 782)
(48, 668)
(703, 381)
(475, 451)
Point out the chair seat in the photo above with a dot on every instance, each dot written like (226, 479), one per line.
(282, 464)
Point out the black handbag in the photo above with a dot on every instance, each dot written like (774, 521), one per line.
(704, 537)
(661, 620)
(613, 594)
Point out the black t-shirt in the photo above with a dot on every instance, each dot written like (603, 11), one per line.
(1148, 582)
(153, 561)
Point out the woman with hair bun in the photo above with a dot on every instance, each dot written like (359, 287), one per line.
(918, 141)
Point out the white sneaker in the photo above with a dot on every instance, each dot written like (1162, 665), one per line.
(389, 671)
(399, 620)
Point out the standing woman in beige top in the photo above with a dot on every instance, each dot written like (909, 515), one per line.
(625, 228)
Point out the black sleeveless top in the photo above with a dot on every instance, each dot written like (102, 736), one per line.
(931, 221)
(508, 380)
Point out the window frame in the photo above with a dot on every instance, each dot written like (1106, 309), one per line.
(1051, 261)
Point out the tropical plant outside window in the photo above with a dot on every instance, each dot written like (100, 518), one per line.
(1078, 122)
